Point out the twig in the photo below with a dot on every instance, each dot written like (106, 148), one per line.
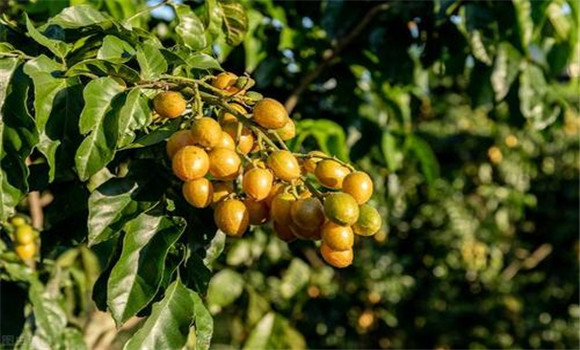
(35, 208)
(329, 55)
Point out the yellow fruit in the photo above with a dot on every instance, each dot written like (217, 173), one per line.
(310, 162)
(221, 190)
(246, 141)
(190, 163)
(337, 237)
(25, 251)
(284, 165)
(226, 141)
(206, 132)
(224, 80)
(169, 104)
(330, 173)
(281, 206)
(18, 221)
(24, 234)
(311, 233)
(283, 232)
(359, 185)
(198, 193)
(276, 189)
(341, 208)
(307, 213)
(369, 221)
(232, 217)
(336, 258)
(226, 117)
(257, 183)
(224, 164)
(270, 114)
(288, 131)
(177, 141)
(258, 211)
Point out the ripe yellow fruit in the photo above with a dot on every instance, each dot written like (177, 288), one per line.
(307, 213)
(224, 80)
(280, 208)
(311, 233)
(283, 232)
(258, 211)
(270, 114)
(246, 141)
(288, 131)
(169, 104)
(206, 132)
(190, 163)
(227, 117)
(276, 189)
(341, 208)
(337, 237)
(18, 221)
(336, 258)
(224, 164)
(25, 251)
(198, 193)
(257, 183)
(284, 165)
(359, 185)
(330, 173)
(179, 140)
(221, 190)
(232, 217)
(369, 221)
(24, 235)
(226, 141)
(310, 162)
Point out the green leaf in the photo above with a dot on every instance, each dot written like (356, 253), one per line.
(119, 200)
(57, 105)
(203, 61)
(478, 48)
(524, 23)
(295, 278)
(197, 274)
(533, 94)
(151, 62)
(213, 18)
(391, 151)
(99, 118)
(253, 45)
(135, 115)
(156, 136)
(203, 323)
(59, 48)
(104, 68)
(80, 16)
(115, 50)
(329, 136)
(505, 70)
(190, 30)
(214, 249)
(137, 274)
(49, 318)
(224, 288)
(235, 21)
(424, 154)
(168, 325)
(274, 332)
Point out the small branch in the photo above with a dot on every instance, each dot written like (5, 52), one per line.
(35, 207)
(329, 55)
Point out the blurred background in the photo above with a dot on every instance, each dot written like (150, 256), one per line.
(466, 116)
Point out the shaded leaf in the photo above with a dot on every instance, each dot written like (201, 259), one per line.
(391, 151)
(104, 68)
(203, 323)
(424, 154)
(274, 332)
(505, 70)
(59, 48)
(115, 50)
(135, 115)
(156, 136)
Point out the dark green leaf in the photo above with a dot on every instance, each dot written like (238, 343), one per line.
(59, 48)
(391, 151)
(156, 136)
(136, 276)
(135, 115)
(424, 154)
(100, 119)
(104, 68)
(203, 323)
(115, 50)
(168, 325)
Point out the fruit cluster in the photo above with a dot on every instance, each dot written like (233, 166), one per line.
(239, 164)
(24, 238)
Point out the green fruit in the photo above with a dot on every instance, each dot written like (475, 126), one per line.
(341, 208)
(369, 221)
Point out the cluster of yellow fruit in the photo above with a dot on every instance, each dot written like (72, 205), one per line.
(24, 238)
(233, 164)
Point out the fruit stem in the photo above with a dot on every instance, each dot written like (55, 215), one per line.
(334, 158)
(279, 139)
(198, 102)
(313, 189)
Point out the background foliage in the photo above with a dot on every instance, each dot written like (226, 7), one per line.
(465, 114)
